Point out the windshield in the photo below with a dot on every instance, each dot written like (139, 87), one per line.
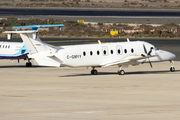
(156, 48)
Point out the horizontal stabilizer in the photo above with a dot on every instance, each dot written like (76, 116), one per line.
(33, 32)
(20, 32)
(44, 60)
(36, 27)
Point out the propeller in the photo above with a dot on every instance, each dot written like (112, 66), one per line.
(148, 53)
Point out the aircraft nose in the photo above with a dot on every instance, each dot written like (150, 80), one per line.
(172, 56)
(169, 55)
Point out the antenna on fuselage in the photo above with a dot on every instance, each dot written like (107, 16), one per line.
(128, 40)
(99, 41)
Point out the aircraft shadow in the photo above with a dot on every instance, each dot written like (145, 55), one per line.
(20, 66)
(127, 73)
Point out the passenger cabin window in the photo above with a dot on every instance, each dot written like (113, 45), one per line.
(91, 53)
(111, 51)
(118, 49)
(9, 46)
(132, 50)
(98, 52)
(105, 50)
(125, 51)
(6, 46)
(84, 53)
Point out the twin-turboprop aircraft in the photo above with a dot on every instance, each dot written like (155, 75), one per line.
(121, 54)
(14, 50)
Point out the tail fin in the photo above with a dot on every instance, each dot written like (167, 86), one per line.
(34, 45)
(43, 54)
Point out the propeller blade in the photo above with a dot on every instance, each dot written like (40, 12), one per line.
(143, 55)
(145, 49)
(150, 63)
(149, 53)
(144, 61)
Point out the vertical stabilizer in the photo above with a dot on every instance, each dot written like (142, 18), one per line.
(33, 45)
(44, 55)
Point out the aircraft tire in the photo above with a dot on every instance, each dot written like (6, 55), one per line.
(121, 72)
(172, 69)
(94, 72)
(28, 64)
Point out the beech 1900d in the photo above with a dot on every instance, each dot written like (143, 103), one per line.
(121, 54)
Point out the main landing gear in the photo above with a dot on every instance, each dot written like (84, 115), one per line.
(29, 64)
(172, 69)
(121, 72)
(94, 71)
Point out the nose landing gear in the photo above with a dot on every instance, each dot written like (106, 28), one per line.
(121, 72)
(172, 69)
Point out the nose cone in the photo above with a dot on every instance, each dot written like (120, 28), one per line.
(172, 56)
(168, 55)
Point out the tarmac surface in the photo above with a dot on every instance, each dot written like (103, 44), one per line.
(47, 93)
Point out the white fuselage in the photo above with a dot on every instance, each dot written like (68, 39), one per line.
(100, 54)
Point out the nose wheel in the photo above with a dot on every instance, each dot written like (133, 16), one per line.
(121, 72)
(172, 69)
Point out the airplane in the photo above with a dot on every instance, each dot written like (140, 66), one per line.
(121, 54)
(14, 50)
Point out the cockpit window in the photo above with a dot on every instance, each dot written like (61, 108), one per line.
(156, 48)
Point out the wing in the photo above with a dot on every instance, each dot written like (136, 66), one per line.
(127, 59)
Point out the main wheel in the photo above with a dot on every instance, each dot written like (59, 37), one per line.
(121, 72)
(28, 64)
(172, 69)
(94, 72)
